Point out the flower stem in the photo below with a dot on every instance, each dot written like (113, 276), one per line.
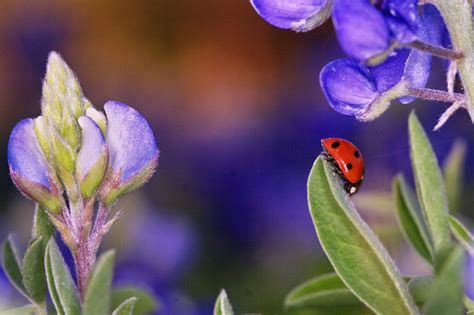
(457, 15)
(437, 50)
(435, 95)
(84, 260)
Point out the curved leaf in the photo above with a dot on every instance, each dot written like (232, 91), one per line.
(429, 184)
(355, 252)
(447, 292)
(453, 174)
(461, 233)
(61, 286)
(97, 297)
(11, 265)
(34, 277)
(322, 291)
(126, 308)
(222, 306)
(410, 219)
(146, 302)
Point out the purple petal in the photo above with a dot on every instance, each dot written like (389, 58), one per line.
(24, 155)
(389, 73)
(93, 145)
(402, 18)
(437, 33)
(360, 28)
(130, 140)
(348, 87)
(469, 276)
(296, 15)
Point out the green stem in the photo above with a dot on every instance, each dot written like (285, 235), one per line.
(41, 309)
(457, 15)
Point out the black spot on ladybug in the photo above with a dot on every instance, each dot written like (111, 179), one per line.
(356, 154)
(349, 166)
(335, 144)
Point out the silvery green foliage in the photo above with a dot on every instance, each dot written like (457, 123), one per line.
(72, 160)
(366, 279)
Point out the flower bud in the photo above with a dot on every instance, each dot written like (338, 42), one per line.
(302, 16)
(92, 159)
(29, 169)
(133, 153)
(62, 101)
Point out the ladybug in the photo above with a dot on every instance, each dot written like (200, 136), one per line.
(347, 160)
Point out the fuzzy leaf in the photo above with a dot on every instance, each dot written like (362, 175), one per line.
(447, 292)
(429, 184)
(61, 286)
(126, 308)
(23, 310)
(11, 265)
(323, 291)
(42, 227)
(146, 302)
(453, 174)
(34, 277)
(410, 218)
(222, 306)
(462, 234)
(97, 298)
(353, 249)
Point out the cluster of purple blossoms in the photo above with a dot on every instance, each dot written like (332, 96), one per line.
(74, 157)
(389, 44)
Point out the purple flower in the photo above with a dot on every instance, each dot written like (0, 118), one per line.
(28, 167)
(469, 276)
(366, 30)
(300, 16)
(92, 158)
(133, 153)
(354, 89)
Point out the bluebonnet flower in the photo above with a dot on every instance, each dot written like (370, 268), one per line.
(29, 169)
(365, 92)
(299, 16)
(367, 28)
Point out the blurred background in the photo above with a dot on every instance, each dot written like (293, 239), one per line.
(238, 114)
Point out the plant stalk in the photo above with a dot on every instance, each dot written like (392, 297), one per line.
(457, 15)
(435, 95)
(437, 50)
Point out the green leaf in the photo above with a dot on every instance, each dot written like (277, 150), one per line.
(11, 265)
(97, 298)
(24, 310)
(34, 277)
(61, 286)
(322, 291)
(353, 249)
(420, 288)
(145, 304)
(42, 227)
(126, 308)
(453, 174)
(222, 306)
(429, 184)
(462, 234)
(410, 219)
(447, 292)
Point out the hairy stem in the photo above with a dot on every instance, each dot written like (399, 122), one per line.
(437, 50)
(435, 95)
(84, 259)
(457, 15)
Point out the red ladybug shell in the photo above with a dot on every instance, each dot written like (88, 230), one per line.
(348, 159)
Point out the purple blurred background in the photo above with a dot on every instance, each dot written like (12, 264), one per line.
(238, 114)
